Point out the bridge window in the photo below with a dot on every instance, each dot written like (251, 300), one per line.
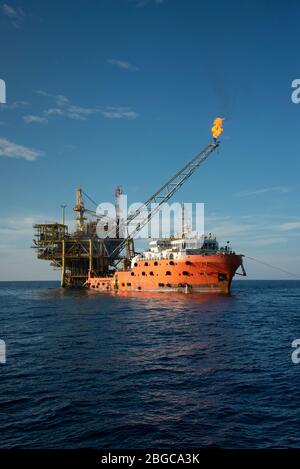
(151, 273)
(185, 273)
(168, 272)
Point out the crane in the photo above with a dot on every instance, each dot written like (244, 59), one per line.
(143, 215)
(148, 210)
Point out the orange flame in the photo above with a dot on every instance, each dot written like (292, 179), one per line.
(217, 128)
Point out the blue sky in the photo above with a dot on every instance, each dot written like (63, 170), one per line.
(123, 92)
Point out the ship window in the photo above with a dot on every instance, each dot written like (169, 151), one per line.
(123, 284)
(93, 286)
(168, 285)
(128, 284)
(146, 263)
(155, 263)
(185, 272)
(171, 262)
(188, 263)
(221, 277)
(161, 284)
(151, 273)
(168, 272)
(143, 273)
(135, 264)
(132, 273)
(139, 288)
(103, 283)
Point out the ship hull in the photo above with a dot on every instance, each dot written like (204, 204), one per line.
(191, 273)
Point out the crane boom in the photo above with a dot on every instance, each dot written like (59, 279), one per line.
(162, 195)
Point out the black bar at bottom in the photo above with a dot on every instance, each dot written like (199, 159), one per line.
(144, 458)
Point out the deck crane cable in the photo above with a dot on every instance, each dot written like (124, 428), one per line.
(88, 197)
(273, 267)
(161, 196)
(92, 212)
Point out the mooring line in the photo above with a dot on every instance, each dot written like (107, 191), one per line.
(274, 267)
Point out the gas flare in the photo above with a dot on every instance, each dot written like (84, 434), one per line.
(217, 128)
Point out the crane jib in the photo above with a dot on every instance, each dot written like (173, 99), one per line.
(162, 195)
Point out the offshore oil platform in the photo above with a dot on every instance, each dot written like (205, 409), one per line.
(82, 251)
(93, 261)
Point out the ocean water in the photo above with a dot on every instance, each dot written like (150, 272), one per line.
(91, 370)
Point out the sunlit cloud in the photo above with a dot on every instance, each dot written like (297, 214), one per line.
(13, 150)
(15, 14)
(122, 64)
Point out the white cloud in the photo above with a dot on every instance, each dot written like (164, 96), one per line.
(53, 112)
(14, 105)
(65, 108)
(13, 150)
(122, 64)
(290, 226)
(16, 15)
(119, 113)
(31, 119)
(61, 100)
(266, 190)
(267, 241)
(253, 230)
(42, 93)
(17, 228)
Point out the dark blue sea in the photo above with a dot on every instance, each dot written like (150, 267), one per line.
(91, 370)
